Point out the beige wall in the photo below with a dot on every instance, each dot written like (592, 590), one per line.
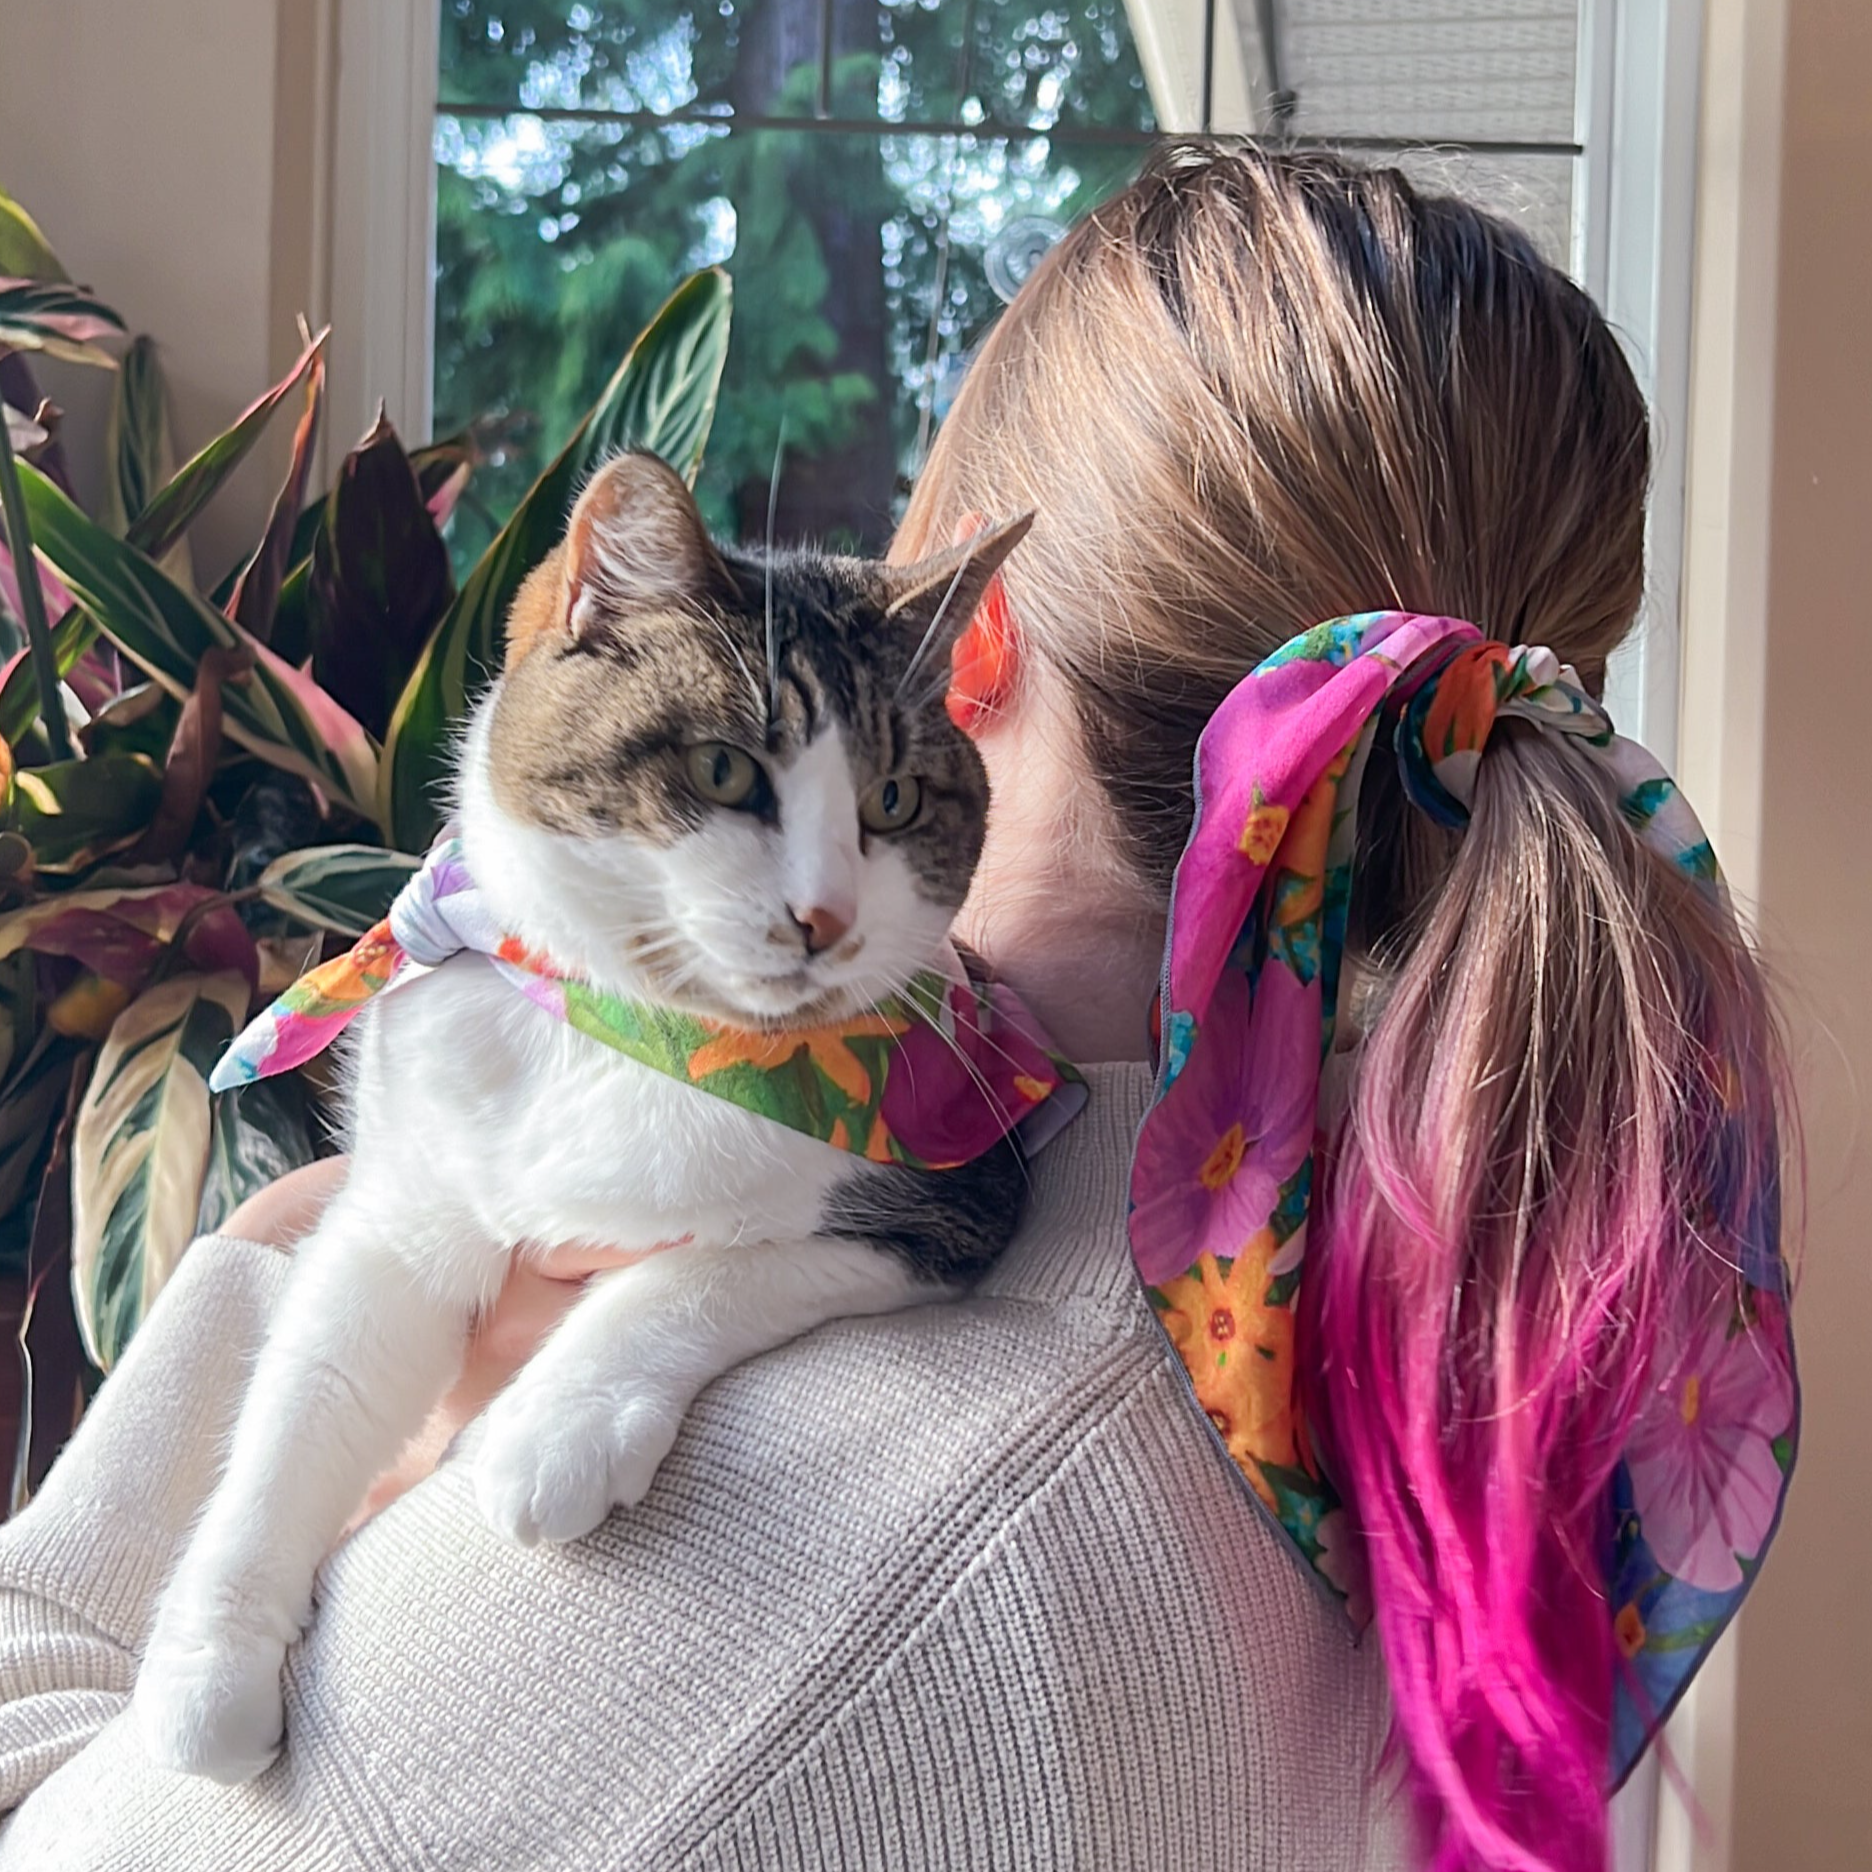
(147, 141)
(1779, 743)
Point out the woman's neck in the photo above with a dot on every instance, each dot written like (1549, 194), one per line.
(1088, 977)
(1054, 911)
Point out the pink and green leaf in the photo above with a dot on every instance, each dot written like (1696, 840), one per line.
(154, 531)
(166, 630)
(121, 934)
(256, 592)
(61, 320)
(380, 579)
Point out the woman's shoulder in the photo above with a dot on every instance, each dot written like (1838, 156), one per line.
(992, 1516)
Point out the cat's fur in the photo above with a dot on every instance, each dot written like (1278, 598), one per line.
(478, 1122)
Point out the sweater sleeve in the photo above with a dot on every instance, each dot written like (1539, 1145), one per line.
(81, 1566)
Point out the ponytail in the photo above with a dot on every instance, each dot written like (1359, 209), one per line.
(1530, 1275)
(1533, 1223)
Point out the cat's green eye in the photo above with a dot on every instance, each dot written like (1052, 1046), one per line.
(892, 804)
(725, 775)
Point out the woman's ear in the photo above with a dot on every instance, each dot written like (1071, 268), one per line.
(985, 663)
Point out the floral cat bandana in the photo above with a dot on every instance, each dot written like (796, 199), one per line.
(1223, 1173)
(932, 1079)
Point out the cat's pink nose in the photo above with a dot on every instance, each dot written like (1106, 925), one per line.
(820, 927)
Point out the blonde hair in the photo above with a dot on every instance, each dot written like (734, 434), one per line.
(1253, 392)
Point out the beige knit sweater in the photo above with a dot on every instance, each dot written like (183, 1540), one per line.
(960, 1588)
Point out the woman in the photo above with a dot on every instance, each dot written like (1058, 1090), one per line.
(979, 1586)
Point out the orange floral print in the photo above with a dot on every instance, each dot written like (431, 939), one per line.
(1239, 1352)
(1261, 836)
(826, 1045)
(1629, 1629)
(1462, 711)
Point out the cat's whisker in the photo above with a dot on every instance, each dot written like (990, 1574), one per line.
(935, 623)
(773, 507)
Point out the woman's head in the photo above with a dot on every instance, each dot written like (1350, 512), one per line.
(1256, 391)
(1252, 393)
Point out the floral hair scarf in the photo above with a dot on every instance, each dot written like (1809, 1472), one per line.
(1224, 1168)
(932, 1079)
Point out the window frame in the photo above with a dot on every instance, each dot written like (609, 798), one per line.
(379, 153)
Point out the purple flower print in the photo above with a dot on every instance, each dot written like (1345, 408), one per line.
(1703, 1472)
(1236, 1124)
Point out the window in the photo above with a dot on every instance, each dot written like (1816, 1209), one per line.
(879, 178)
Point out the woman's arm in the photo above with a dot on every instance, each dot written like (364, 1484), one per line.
(80, 1568)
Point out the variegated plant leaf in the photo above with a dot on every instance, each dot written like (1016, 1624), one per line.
(25, 253)
(257, 586)
(260, 1132)
(24, 432)
(62, 321)
(661, 398)
(154, 531)
(380, 578)
(75, 812)
(343, 888)
(121, 934)
(141, 1148)
(138, 458)
(278, 713)
(29, 1110)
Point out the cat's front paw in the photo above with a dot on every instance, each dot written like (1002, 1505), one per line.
(208, 1699)
(554, 1464)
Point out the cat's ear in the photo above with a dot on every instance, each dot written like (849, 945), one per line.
(636, 543)
(950, 586)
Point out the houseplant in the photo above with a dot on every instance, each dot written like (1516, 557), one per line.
(201, 789)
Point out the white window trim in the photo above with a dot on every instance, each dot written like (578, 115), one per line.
(378, 135)
(1634, 220)
(1634, 250)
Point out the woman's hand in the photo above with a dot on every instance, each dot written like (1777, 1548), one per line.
(539, 1291)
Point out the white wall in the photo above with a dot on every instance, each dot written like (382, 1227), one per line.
(143, 138)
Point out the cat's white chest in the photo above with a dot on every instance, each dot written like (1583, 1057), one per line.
(469, 1095)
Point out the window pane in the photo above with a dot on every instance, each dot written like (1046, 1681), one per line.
(1482, 70)
(908, 61)
(594, 55)
(865, 267)
(1057, 66)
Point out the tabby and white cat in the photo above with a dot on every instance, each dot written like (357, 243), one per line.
(648, 800)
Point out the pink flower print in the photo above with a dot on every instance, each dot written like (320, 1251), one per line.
(948, 1098)
(1236, 1124)
(1701, 1459)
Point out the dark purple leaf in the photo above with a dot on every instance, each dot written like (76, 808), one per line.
(256, 595)
(379, 581)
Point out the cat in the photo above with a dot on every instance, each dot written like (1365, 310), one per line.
(717, 782)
